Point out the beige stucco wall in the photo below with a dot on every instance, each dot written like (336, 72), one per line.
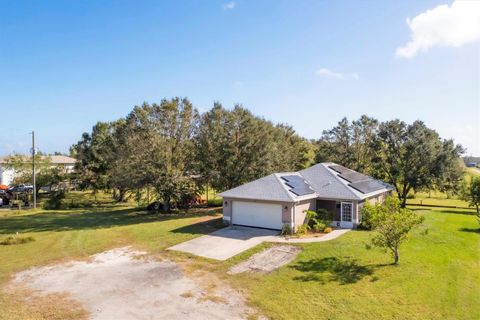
(295, 213)
(299, 211)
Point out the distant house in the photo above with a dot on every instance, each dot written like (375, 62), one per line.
(7, 175)
(282, 198)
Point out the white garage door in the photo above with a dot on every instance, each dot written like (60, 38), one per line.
(255, 214)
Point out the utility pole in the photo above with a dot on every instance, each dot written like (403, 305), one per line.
(33, 172)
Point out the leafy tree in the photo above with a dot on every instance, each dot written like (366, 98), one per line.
(93, 153)
(471, 193)
(392, 223)
(161, 143)
(449, 168)
(336, 146)
(234, 147)
(411, 157)
(348, 143)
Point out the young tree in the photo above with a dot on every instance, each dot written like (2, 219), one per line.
(392, 224)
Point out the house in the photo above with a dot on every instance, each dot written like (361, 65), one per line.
(282, 198)
(471, 164)
(7, 175)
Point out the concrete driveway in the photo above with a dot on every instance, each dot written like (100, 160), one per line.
(225, 243)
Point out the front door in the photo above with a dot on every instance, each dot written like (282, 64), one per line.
(346, 215)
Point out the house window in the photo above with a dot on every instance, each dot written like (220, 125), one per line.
(346, 211)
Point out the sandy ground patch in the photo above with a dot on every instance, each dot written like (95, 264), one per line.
(267, 260)
(127, 284)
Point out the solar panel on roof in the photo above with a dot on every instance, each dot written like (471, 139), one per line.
(354, 176)
(302, 192)
(291, 178)
(339, 168)
(367, 186)
(298, 185)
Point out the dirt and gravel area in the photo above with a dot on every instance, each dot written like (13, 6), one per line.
(127, 284)
(268, 260)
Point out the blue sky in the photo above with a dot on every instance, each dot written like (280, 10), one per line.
(64, 65)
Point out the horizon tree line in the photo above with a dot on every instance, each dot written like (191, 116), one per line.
(175, 150)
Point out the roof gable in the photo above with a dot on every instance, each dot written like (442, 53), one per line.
(266, 188)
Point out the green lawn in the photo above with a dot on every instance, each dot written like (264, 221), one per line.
(67, 234)
(438, 276)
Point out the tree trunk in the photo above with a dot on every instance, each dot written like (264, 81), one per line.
(396, 256)
(121, 195)
(404, 201)
(166, 204)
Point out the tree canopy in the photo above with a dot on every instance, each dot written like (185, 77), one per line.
(177, 151)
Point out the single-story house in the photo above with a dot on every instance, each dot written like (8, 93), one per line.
(283, 198)
(7, 174)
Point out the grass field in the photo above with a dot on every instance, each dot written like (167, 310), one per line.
(438, 276)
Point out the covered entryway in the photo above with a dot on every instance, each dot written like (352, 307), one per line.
(257, 214)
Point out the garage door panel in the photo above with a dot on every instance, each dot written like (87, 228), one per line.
(256, 214)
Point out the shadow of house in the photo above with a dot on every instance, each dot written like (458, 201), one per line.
(65, 221)
(333, 269)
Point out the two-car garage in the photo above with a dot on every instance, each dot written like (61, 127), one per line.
(257, 214)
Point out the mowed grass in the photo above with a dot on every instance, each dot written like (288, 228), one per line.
(64, 235)
(78, 233)
(438, 276)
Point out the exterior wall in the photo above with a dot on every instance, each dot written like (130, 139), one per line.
(287, 209)
(377, 199)
(300, 214)
(294, 214)
(6, 176)
(360, 205)
(372, 200)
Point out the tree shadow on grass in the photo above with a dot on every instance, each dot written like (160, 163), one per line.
(333, 269)
(445, 210)
(95, 219)
(472, 230)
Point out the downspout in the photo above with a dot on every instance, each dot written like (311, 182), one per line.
(294, 217)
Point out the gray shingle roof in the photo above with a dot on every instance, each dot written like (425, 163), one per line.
(326, 183)
(266, 188)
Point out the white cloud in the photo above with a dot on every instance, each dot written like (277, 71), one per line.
(443, 26)
(229, 5)
(324, 72)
